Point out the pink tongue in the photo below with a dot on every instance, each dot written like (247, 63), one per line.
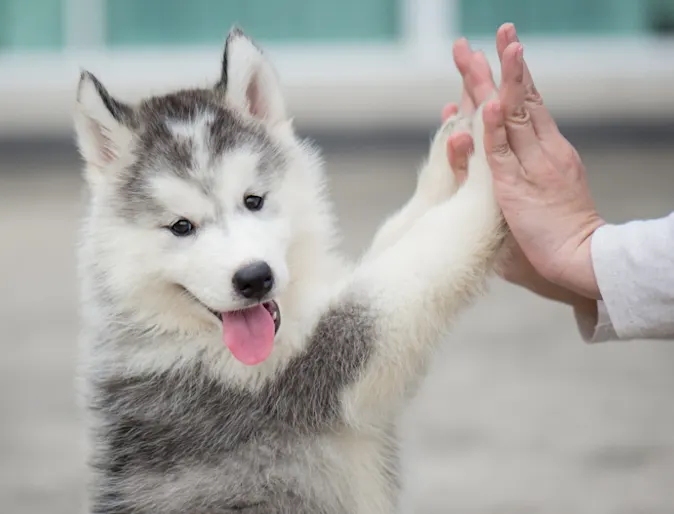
(249, 334)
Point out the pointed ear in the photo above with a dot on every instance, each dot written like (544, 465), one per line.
(250, 81)
(103, 125)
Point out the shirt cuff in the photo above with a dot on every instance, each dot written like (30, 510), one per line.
(633, 265)
(594, 324)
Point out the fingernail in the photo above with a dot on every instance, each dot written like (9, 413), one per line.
(520, 53)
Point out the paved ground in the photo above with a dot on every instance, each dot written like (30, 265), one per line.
(518, 416)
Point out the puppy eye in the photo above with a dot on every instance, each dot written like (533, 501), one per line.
(253, 202)
(182, 228)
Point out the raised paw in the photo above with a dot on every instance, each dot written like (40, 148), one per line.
(436, 180)
(454, 124)
(479, 186)
(479, 172)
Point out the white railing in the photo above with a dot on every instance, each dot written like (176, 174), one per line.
(353, 87)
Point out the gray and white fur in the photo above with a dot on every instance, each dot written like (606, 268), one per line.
(176, 424)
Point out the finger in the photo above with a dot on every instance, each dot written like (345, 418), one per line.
(480, 84)
(467, 104)
(462, 58)
(448, 111)
(542, 120)
(478, 81)
(502, 161)
(459, 149)
(505, 35)
(521, 133)
(462, 54)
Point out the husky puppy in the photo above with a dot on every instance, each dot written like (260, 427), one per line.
(233, 361)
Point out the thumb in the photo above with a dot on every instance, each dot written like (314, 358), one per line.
(448, 111)
(459, 149)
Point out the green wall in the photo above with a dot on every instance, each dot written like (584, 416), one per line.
(31, 24)
(38, 24)
(554, 17)
(168, 22)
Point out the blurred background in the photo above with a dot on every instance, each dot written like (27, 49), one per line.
(518, 415)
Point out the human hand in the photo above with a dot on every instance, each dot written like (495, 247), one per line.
(539, 179)
(514, 267)
(478, 86)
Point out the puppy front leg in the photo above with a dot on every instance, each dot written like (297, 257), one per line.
(415, 287)
(434, 184)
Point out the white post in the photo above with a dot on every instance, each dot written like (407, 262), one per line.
(453, 18)
(426, 30)
(84, 22)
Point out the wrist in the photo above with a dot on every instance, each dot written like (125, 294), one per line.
(578, 275)
(557, 293)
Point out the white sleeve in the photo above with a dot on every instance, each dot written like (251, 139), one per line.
(634, 266)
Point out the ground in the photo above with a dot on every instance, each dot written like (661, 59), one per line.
(518, 416)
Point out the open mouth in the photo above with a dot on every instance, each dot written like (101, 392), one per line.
(248, 333)
(271, 306)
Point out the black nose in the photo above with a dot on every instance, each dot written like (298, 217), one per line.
(254, 280)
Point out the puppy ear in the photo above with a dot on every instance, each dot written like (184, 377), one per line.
(250, 81)
(103, 125)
